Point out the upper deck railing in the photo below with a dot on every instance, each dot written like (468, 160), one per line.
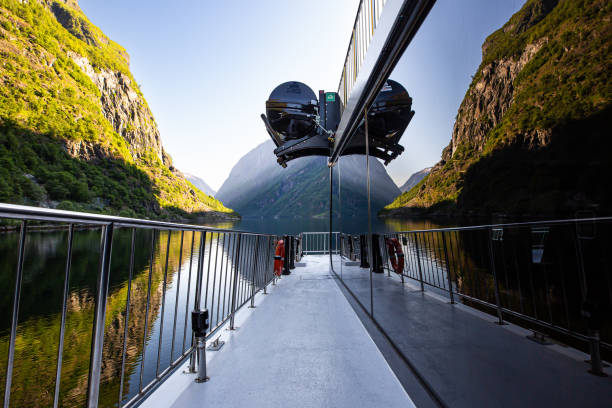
(142, 299)
(381, 32)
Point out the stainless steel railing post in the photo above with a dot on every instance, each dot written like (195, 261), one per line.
(255, 266)
(267, 266)
(416, 247)
(235, 283)
(596, 363)
(16, 297)
(495, 235)
(97, 343)
(201, 352)
(197, 296)
(448, 271)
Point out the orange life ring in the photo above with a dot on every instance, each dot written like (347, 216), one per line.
(396, 255)
(279, 257)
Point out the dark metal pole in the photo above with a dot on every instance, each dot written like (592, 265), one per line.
(97, 343)
(331, 198)
(370, 253)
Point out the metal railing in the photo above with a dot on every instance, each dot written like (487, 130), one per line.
(552, 275)
(137, 316)
(318, 243)
(368, 14)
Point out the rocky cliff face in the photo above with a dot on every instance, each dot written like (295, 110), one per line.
(67, 88)
(531, 121)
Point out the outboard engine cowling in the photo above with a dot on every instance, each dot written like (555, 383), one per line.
(291, 111)
(388, 117)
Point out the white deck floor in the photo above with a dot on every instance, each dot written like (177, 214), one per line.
(303, 346)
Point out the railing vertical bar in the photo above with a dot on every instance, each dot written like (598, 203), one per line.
(208, 271)
(221, 275)
(255, 266)
(457, 261)
(235, 278)
(448, 269)
(127, 317)
(418, 255)
(146, 328)
(60, 348)
(212, 297)
(178, 291)
(500, 315)
(163, 305)
(427, 248)
(188, 291)
(198, 290)
(97, 343)
(230, 246)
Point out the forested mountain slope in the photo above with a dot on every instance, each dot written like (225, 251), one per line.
(75, 130)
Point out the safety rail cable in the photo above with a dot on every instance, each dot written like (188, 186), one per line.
(175, 267)
(542, 273)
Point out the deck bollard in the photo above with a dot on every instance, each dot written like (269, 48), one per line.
(199, 325)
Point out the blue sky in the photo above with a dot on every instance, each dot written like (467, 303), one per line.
(207, 68)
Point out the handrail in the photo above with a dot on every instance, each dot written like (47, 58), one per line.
(20, 212)
(509, 225)
(222, 270)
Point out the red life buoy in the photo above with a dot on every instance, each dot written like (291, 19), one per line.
(396, 255)
(279, 257)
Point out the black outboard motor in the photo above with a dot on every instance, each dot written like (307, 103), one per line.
(388, 117)
(300, 125)
(291, 112)
(295, 120)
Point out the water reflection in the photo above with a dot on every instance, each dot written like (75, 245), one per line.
(40, 307)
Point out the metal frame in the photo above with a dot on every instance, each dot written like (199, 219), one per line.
(372, 55)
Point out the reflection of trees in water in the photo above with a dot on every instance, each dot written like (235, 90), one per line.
(40, 311)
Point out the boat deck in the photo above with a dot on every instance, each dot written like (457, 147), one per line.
(304, 346)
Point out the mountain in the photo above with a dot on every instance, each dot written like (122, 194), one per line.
(75, 129)
(201, 184)
(258, 187)
(414, 179)
(532, 135)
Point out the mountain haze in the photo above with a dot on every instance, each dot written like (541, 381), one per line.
(201, 184)
(415, 179)
(258, 187)
(75, 130)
